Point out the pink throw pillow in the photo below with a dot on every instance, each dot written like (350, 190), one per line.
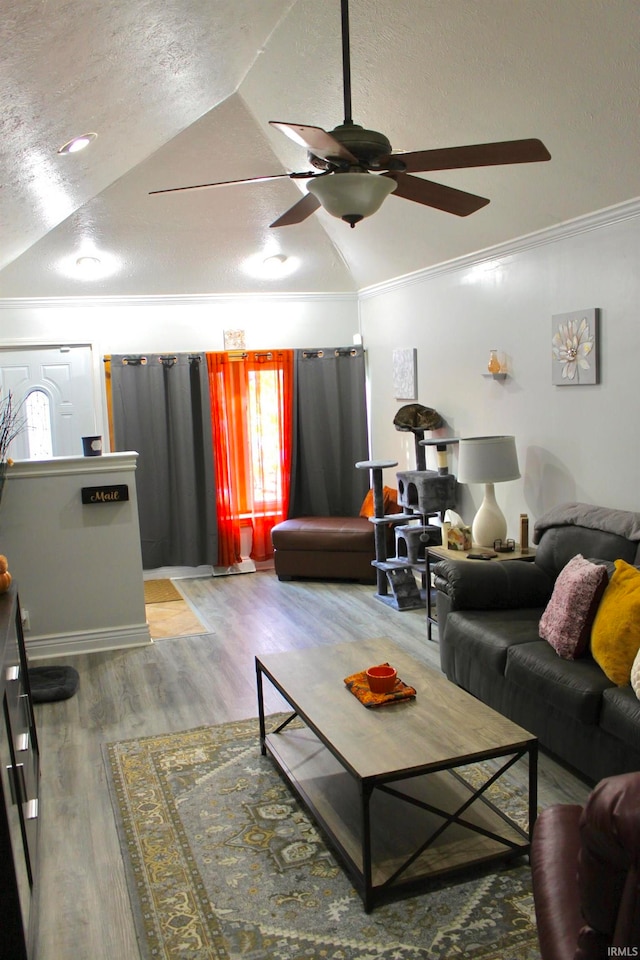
(568, 617)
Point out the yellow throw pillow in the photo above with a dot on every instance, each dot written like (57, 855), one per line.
(615, 637)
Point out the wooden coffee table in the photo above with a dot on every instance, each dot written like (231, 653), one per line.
(385, 784)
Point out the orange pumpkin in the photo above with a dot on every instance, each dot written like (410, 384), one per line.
(5, 581)
(4, 566)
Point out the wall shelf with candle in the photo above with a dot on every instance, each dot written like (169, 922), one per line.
(496, 369)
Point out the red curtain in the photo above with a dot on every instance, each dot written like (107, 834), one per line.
(252, 416)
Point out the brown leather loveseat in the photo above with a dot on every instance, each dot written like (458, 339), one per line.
(585, 869)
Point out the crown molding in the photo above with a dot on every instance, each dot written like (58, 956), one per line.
(628, 210)
(569, 228)
(178, 300)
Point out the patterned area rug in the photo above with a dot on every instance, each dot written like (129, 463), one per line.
(224, 863)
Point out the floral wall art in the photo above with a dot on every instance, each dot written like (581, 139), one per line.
(575, 348)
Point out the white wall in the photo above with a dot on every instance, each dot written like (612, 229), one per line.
(574, 443)
(121, 325)
(78, 567)
(156, 324)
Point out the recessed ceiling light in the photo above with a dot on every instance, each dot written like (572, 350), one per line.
(78, 143)
(87, 264)
(275, 266)
(272, 267)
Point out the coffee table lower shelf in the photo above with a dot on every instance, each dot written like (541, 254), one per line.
(396, 833)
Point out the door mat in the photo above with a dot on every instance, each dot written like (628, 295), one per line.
(173, 619)
(160, 591)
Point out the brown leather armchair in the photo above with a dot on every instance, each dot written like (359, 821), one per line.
(585, 870)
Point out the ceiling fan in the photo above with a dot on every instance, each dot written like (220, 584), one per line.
(355, 169)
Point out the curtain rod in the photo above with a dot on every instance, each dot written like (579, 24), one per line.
(338, 352)
(243, 354)
(138, 361)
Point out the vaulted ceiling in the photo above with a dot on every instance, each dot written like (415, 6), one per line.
(181, 92)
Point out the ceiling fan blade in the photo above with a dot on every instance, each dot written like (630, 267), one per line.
(436, 195)
(316, 140)
(232, 183)
(298, 212)
(474, 155)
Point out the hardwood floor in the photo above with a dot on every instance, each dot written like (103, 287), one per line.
(174, 685)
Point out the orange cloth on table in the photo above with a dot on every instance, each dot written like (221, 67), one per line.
(358, 684)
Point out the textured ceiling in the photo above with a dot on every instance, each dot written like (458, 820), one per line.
(181, 91)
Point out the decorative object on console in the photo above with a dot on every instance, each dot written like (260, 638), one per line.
(524, 533)
(5, 576)
(575, 348)
(505, 546)
(488, 460)
(11, 424)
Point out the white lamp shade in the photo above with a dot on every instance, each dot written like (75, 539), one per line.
(351, 196)
(487, 460)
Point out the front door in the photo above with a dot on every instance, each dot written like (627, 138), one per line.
(54, 387)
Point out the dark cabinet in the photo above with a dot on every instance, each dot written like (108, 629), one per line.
(19, 789)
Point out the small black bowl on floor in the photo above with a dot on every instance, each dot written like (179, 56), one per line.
(52, 683)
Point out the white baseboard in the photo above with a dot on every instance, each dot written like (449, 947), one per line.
(68, 644)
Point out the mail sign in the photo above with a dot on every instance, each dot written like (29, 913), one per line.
(114, 494)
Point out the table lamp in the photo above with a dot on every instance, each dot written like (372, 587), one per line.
(488, 460)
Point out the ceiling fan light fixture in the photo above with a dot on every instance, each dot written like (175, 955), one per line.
(351, 196)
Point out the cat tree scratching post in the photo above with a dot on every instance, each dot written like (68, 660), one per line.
(399, 576)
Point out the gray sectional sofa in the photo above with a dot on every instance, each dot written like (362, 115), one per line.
(488, 625)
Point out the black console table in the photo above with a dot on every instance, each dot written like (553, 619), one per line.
(19, 790)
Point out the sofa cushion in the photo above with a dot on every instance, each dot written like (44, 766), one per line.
(559, 544)
(333, 534)
(568, 617)
(574, 687)
(485, 636)
(635, 675)
(615, 637)
(620, 715)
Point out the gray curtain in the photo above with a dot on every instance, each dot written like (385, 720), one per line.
(330, 433)
(161, 409)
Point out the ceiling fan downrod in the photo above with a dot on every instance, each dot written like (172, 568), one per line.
(346, 63)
